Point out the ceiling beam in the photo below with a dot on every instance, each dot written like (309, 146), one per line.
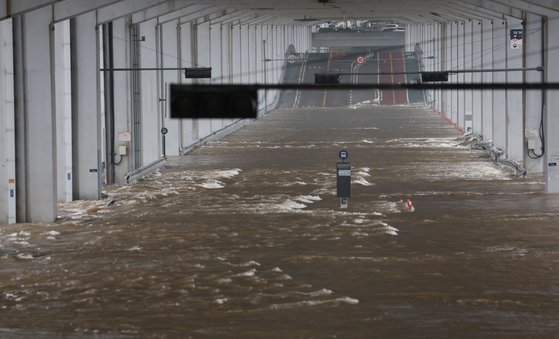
(10, 8)
(68, 9)
(526, 6)
(124, 8)
(161, 9)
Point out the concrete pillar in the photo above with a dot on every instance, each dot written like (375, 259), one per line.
(226, 53)
(87, 163)
(258, 48)
(468, 77)
(150, 118)
(477, 63)
(7, 126)
(187, 48)
(216, 64)
(453, 66)
(533, 52)
(436, 62)
(500, 45)
(487, 78)
(551, 112)
(63, 83)
(461, 77)
(236, 61)
(122, 100)
(245, 54)
(35, 117)
(252, 48)
(169, 52)
(447, 64)
(514, 111)
(204, 52)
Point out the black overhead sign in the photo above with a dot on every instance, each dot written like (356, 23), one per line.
(198, 73)
(434, 76)
(326, 78)
(213, 102)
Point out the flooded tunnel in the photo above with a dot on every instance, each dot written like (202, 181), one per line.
(244, 236)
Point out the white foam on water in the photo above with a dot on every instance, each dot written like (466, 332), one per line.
(308, 199)
(249, 263)
(304, 303)
(25, 256)
(212, 184)
(319, 293)
(426, 142)
(359, 234)
(228, 173)
(367, 141)
(363, 174)
(362, 181)
(134, 248)
(287, 206)
(249, 273)
(221, 301)
(391, 230)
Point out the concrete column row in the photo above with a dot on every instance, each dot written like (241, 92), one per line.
(56, 106)
(235, 52)
(507, 118)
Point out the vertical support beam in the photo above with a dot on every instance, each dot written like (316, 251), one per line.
(477, 63)
(86, 111)
(468, 77)
(170, 50)
(136, 95)
(7, 126)
(215, 63)
(252, 54)
(551, 113)
(35, 117)
(236, 49)
(204, 54)
(500, 45)
(454, 65)
(515, 118)
(487, 78)
(122, 100)
(187, 48)
(533, 100)
(461, 76)
(63, 83)
(259, 63)
(438, 53)
(150, 118)
(447, 64)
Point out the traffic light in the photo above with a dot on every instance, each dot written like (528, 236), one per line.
(213, 102)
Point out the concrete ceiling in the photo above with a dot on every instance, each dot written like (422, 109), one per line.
(302, 12)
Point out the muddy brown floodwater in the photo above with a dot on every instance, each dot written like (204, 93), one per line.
(244, 238)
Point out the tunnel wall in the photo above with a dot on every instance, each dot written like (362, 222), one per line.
(82, 107)
(483, 46)
(235, 53)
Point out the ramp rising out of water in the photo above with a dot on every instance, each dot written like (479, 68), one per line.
(244, 238)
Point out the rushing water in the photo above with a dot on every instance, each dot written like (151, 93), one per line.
(244, 238)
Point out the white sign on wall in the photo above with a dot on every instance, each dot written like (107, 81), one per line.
(516, 36)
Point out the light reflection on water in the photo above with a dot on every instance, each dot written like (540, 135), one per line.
(245, 238)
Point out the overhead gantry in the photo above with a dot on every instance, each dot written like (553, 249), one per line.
(71, 123)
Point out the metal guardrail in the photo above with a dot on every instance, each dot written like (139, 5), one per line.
(137, 174)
